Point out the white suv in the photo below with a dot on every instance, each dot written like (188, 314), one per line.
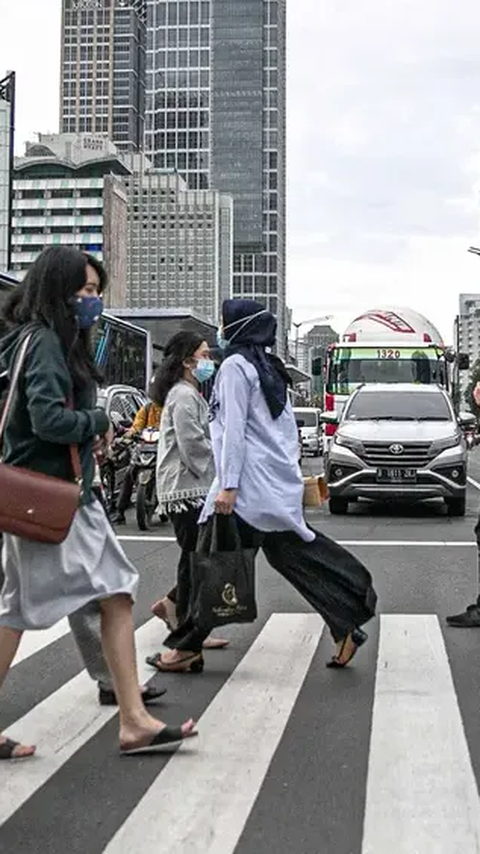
(397, 442)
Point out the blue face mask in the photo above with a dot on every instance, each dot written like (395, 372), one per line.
(204, 370)
(222, 342)
(87, 311)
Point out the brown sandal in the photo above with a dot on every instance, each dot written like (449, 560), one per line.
(6, 751)
(190, 664)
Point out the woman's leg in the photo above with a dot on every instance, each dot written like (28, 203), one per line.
(173, 608)
(136, 724)
(332, 579)
(187, 640)
(9, 642)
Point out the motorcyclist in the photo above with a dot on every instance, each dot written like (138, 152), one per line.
(147, 418)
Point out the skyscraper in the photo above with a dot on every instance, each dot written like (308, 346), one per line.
(103, 70)
(7, 125)
(180, 244)
(215, 111)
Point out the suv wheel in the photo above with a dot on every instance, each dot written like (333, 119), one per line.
(338, 506)
(456, 506)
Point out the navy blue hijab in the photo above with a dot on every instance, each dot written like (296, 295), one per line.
(250, 339)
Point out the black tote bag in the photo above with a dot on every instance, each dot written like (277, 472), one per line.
(223, 576)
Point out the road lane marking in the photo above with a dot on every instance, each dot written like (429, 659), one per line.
(33, 642)
(61, 724)
(417, 543)
(396, 543)
(137, 538)
(206, 793)
(421, 789)
(473, 482)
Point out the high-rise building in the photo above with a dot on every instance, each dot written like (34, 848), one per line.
(467, 334)
(7, 123)
(103, 70)
(321, 336)
(69, 190)
(215, 111)
(180, 244)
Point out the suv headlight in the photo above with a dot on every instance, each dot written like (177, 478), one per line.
(440, 445)
(354, 445)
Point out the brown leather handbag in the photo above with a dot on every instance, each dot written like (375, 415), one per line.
(36, 506)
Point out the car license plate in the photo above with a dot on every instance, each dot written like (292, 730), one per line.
(398, 475)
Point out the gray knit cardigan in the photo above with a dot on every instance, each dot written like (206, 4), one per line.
(185, 468)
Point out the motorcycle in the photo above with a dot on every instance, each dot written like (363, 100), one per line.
(144, 460)
(470, 440)
(115, 463)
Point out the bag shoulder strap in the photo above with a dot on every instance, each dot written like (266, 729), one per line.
(18, 365)
(17, 369)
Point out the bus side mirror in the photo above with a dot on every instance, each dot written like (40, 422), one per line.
(466, 419)
(463, 361)
(329, 418)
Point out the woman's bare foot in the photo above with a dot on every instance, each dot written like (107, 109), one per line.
(175, 661)
(175, 656)
(140, 737)
(166, 610)
(215, 643)
(13, 750)
(347, 648)
(344, 650)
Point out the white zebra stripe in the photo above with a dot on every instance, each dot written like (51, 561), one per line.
(206, 793)
(421, 791)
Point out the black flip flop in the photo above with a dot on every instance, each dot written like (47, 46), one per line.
(107, 697)
(168, 737)
(6, 751)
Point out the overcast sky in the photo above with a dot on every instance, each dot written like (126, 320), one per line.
(383, 141)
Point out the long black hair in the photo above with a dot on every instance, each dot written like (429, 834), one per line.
(179, 349)
(46, 296)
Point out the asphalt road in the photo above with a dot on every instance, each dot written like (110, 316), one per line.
(291, 757)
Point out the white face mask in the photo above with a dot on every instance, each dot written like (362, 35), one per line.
(244, 321)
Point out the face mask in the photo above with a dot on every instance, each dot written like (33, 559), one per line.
(204, 370)
(244, 321)
(87, 311)
(222, 342)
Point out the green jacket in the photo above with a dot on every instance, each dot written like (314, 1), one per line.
(41, 426)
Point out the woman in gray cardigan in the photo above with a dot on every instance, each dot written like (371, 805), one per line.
(185, 472)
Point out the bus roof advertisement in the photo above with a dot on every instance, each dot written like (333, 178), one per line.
(392, 325)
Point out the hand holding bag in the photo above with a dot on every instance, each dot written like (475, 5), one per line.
(223, 576)
(315, 491)
(35, 506)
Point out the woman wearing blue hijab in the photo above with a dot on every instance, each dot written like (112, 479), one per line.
(255, 445)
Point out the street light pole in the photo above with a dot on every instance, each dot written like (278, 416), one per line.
(305, 323)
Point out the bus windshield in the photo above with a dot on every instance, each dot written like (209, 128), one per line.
(350, 367)
(122, 353)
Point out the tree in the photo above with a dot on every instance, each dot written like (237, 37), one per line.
(473, 380)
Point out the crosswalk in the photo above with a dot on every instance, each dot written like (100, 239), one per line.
(267, 748)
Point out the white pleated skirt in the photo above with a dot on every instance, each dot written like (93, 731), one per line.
(44, 583)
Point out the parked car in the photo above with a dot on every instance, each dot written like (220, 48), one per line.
(310, 426)
(121, 403)
(397, 442)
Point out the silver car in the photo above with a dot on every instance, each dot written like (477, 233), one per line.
(397, 442)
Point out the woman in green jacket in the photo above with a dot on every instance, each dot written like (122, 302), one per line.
(55, 407)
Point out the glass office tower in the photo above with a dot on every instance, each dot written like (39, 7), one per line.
(215, 111)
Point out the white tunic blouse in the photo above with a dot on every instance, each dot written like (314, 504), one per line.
(254, 453)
